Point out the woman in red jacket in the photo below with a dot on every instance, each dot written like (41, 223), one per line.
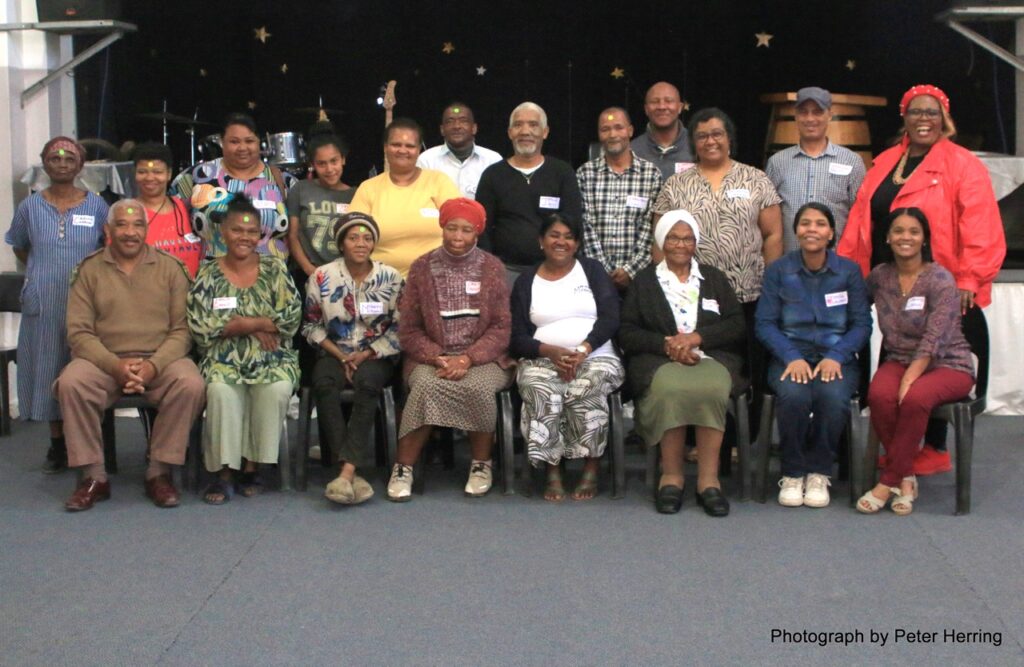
(928, 171)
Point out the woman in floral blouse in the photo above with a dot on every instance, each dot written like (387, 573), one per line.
(243, 311)
(352, 316)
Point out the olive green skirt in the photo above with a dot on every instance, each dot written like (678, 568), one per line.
(683, 395)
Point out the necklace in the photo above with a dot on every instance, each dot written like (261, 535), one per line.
(898, 177)
(163, 203)
(913, 281)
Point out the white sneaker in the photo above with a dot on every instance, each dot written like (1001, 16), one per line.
(816, 494)
(400, 484)
(791, 493)
(480, 479)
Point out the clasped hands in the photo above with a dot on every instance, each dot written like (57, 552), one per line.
(262, 329)
(351, 362)
(452, 367)
(133, 374)
(800, 371)
(683, 347)
(566, 361)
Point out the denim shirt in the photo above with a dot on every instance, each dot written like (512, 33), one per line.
(810, 315)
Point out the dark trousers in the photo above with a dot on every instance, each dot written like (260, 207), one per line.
(812, 418)
(350, 441)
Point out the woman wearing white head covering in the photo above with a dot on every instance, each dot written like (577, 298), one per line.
(683, 336)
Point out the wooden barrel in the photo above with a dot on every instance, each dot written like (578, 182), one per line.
(848, 127)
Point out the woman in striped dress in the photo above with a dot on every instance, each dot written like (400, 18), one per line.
(51, 232)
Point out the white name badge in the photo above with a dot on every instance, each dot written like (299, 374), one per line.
(191, 238)
(837, 299)
(710, 304)
(915, 303)
(83, 220)
(265, 204)
(430, 213)
(738, 193)
(683, 166)
(340, 209)
(371, 308)
(472, 287)
(225, 302)
(840, 169)
(550, 202)
(636, 201)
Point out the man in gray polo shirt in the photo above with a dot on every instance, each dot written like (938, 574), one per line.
(665, 143)
(815, 169)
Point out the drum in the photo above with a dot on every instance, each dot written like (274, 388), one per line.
(285, 149)
(210, 147)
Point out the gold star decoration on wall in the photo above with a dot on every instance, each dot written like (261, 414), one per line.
(851, 64)
(480, 71)
(251, 105)
(618, 73)
(261, 33)
(284, 68)
(202, 71)
(762, 39)
(448, 48)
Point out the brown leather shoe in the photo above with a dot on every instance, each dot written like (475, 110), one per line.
(88, 493)
(161, 491)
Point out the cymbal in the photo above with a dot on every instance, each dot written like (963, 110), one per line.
(174, 118)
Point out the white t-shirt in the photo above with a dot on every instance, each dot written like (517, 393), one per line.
(564, 311)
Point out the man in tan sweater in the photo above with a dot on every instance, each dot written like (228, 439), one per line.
(128, 335)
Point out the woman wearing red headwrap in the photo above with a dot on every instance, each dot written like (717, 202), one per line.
(951, 186)
(454, 337)
(52, 231)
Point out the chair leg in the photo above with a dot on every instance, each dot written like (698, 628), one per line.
(390, 425)
(618, 446)
(302, 446)
(764, 447)
(109, 442)
(963, 425)
(651, 472)
(284, 458)
(505, 442)
(5, 397)
(195, 455)
(743, 446)
(855, 451)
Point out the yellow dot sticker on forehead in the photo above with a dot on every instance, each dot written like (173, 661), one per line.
(60, 152)
(150, 164)
(456, 110)
(611, 116)
(245, 218)
(130, 210)
(361, 228)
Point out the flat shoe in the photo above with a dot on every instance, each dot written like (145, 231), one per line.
(340, 491)
(88, 493)
(161, 491)
(669, 500)
(361, 490)
(713, 501)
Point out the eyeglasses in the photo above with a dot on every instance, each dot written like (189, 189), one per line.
(680, 240)
(702, 137)
(931, 114)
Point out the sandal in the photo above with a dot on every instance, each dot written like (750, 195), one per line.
(340, 491)
(219, 487)
(554, 491)
(250, 484)
(586, 489)
(904, 505)
(869, 503)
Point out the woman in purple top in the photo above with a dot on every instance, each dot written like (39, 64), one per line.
(927, 359)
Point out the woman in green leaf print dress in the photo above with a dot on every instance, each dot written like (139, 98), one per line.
(243, 311)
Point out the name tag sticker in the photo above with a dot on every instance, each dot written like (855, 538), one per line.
(472, 287)
(225, 302)
(683, 166)
(430, 213)
(371, 308)
(265, 204)
(738, 193)
(340, 209)
(915, 303)
(837, 299)
(191, 238)
(710, 304)
(840, 169)
(636, 201)
(83, 220)
(550, 202)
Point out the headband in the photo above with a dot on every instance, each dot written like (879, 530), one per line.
(923, 89)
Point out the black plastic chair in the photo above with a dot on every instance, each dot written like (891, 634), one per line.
(615, 451)
(739, 408)
(385, 431)
(147, 414)
(961, 414)
(11, 285)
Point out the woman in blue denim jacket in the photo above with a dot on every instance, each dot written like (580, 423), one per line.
(813, 316)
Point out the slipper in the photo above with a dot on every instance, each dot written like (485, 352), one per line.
(220, 487)
(340, 491)
(586, 488)
(554, 491)
(250, 484)
(361, 490)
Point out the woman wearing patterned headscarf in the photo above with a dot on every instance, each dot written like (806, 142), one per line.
(51, 232)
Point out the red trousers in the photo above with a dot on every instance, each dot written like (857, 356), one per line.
(901, 426)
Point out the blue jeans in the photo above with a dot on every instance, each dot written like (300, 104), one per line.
(811, 418)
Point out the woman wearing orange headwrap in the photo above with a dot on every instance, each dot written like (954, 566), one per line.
(952, 187)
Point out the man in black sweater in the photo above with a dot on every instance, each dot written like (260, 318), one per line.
(517, 193)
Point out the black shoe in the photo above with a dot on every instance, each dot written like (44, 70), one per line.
(713, 501)
(56, 461)
(669, 500)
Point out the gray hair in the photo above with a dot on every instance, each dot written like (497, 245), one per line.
(529, 106)
(126, 203)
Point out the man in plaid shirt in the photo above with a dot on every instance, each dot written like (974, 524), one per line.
(619, 189)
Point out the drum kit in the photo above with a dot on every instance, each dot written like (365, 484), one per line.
(285, 150)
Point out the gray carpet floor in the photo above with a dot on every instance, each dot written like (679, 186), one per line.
(289, 579)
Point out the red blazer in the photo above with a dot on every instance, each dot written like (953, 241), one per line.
(954, 190)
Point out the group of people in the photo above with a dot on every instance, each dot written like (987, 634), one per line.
(663, 267)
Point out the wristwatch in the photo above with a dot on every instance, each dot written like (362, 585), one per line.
(582, 349)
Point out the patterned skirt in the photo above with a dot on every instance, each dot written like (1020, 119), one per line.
(566, 419)
(468, 404)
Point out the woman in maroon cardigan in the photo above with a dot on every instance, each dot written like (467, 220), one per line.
(454, 335)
